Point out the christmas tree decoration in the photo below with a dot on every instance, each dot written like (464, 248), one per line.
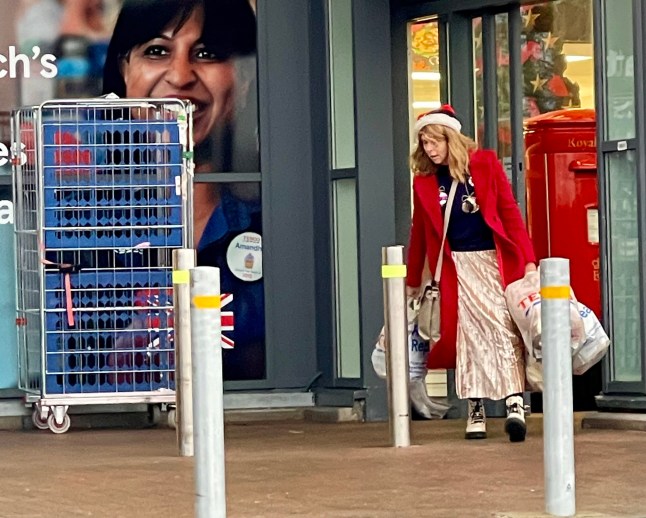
(545, 86)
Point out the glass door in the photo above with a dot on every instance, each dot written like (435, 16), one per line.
(621, 131)
(500, 66)
(424, 66)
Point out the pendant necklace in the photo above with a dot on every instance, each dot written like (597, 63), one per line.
(443, 196)
(469, 202)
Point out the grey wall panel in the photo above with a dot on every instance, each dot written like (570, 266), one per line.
(374, 118)
(286, 165)
(461, 69)
(401, 139)
(320, 93)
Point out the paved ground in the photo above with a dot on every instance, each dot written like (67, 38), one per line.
(297, 468)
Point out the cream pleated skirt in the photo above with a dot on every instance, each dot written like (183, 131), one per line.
(490, 354)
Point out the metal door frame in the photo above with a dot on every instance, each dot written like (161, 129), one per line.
(621, 394)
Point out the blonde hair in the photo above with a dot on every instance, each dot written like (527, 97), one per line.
(459, 147)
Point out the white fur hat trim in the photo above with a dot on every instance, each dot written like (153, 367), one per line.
(437, 118)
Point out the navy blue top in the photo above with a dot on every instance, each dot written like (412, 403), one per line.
(467, 232)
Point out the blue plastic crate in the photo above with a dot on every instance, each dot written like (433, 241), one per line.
(110, 362)
(73, 383)
(75, 342)
(116, 370)
(79, 164)
(110, 289)
(108, 132)
(113, 279)
(113, 237)
(123, 340)
(84, 160)
(113, 217)
(114, 190)
(104, 321)
(106, 178)
(101, 321)
(92, 361)
(157, 374)
(105, 383)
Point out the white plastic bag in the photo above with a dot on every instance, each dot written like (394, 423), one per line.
(589, 353)
(596, 342)
(524, 303)
(533, 374)
(418, 350)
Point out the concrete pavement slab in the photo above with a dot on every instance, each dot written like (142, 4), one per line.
(300, 468)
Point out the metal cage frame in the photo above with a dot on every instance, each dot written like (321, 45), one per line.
(102, 195)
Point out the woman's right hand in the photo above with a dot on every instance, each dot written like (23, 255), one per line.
(412, 292)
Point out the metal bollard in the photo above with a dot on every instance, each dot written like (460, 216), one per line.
(558, 420)
(208, 398)
(393, 272)
(183, 261)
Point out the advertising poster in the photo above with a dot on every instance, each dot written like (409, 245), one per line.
(200, 50)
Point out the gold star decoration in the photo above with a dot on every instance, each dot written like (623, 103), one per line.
(550, 40)
(529, 19)
(538, 83)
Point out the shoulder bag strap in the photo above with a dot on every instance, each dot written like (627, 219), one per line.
(447, 216)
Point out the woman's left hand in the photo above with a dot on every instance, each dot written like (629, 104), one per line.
(530, 267)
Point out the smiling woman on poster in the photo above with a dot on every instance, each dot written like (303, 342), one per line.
(188, 50)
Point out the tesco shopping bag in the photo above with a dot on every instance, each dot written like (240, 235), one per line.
(523, 299)
(533, 374)
(596, 342)
(418, 349)
(417, 354)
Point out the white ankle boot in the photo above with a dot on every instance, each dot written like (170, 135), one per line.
(476, 420)
(515, 425)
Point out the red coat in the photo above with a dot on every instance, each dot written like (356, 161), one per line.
(500, 212)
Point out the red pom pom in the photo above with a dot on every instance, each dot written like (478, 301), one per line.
(447, 108)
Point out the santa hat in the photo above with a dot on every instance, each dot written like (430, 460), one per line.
(444, 116)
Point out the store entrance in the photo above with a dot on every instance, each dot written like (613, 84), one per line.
(500, 67)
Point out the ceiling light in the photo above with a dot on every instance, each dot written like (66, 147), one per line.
(426, 104)
(574, 59)
(426, 76)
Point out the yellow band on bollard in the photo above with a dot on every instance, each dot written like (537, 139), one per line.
(555, 292)
(391, 271)
(206, 301)
(181, 277)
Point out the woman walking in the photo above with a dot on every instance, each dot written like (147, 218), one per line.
(487, 247)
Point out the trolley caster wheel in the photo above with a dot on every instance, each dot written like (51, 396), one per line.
(154, 415)
(56, 427)
(38, 421)
(171, 418)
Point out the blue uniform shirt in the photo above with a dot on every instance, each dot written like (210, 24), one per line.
(232, 217)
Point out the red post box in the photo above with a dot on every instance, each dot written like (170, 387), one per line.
(562, 199)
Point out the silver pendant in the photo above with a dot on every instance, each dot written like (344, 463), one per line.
(469, 204)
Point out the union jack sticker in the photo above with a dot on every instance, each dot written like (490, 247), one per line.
(226, 320)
